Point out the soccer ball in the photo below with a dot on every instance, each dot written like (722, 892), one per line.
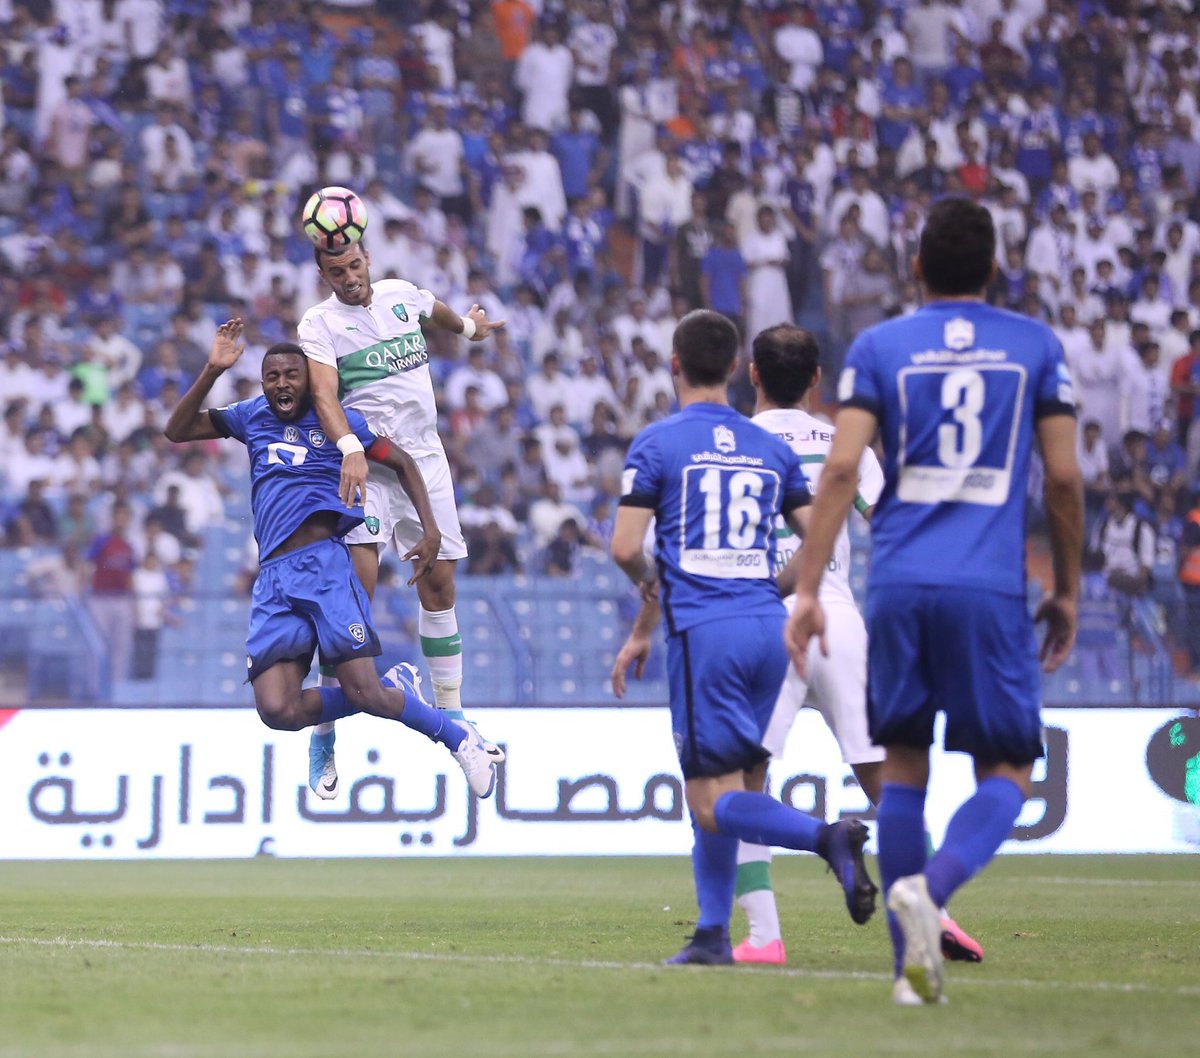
(334, 218)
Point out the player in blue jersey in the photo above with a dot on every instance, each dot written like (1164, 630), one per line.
(960, 391)
(714, 483)
(306, 595)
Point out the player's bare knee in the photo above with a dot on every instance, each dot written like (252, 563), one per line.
(439, 598)
(702, 807)
(280, 714)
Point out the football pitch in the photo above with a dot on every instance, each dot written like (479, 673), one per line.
(522, 958)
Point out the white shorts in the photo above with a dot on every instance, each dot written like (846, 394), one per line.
(836, 688)
(390, 514)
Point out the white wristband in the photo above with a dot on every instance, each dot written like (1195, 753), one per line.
(468, 330)
(349, 443)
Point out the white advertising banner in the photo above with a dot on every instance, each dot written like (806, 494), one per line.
(194, 783)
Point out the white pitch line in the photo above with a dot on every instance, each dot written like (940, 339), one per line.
(1106, 987)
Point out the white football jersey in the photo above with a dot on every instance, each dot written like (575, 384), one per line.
(381, 360)
(811, 439)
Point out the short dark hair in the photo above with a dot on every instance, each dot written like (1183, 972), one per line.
(319, 254)
(284, 349)
(958, 244)
(787, 358)
(707, 345)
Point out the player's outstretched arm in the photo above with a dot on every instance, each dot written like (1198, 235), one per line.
(636, 648)
(425, 554)
(323, 384)
(187, 421)
(1063, 492)
(474, 326)
(835, 494)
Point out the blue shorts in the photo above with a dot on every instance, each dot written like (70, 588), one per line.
(724, 678)
(309, 599)
(969, 653)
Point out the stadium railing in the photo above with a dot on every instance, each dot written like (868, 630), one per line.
(528, 640)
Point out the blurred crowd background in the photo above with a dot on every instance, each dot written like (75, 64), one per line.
(588, 170)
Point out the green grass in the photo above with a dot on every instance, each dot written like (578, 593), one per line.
(527, 958)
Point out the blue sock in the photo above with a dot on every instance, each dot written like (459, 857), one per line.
(900, 825)
(431, 722)
(335, 704)
(714, 867)
(762, 820)
(976, 831)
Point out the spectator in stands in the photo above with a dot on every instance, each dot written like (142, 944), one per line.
(151, 595)
(475, 374)
(110, 599)
(799, 49)
(1098, 638)
(768, 297)
(665, 206)
(1127, 544)
(869, 294)
(548, 388)
(560, 558)
(1166, 460)
(1093, 465)
(491, 532)
(1185, 386)
(543, 74)
(548, 512)
(1189, 579)
(723, 279)
(33, 523)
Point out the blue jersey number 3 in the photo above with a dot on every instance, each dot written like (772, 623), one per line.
(959, 429)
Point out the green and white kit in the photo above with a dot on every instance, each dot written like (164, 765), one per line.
(383, 373)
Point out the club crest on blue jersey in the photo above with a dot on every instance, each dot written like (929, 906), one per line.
(723, 439)
(959, 333)
(316, 438)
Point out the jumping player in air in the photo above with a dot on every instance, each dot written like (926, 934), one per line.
(715, 483)
(367, 353)
(306, 596)
(785, 370)
(960, 392)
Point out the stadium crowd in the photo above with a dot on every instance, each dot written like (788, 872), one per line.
(588, 170)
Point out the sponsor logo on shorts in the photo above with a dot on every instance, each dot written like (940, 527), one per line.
(291, 434)
(372, 524)
(358, 632)
(316, 438)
